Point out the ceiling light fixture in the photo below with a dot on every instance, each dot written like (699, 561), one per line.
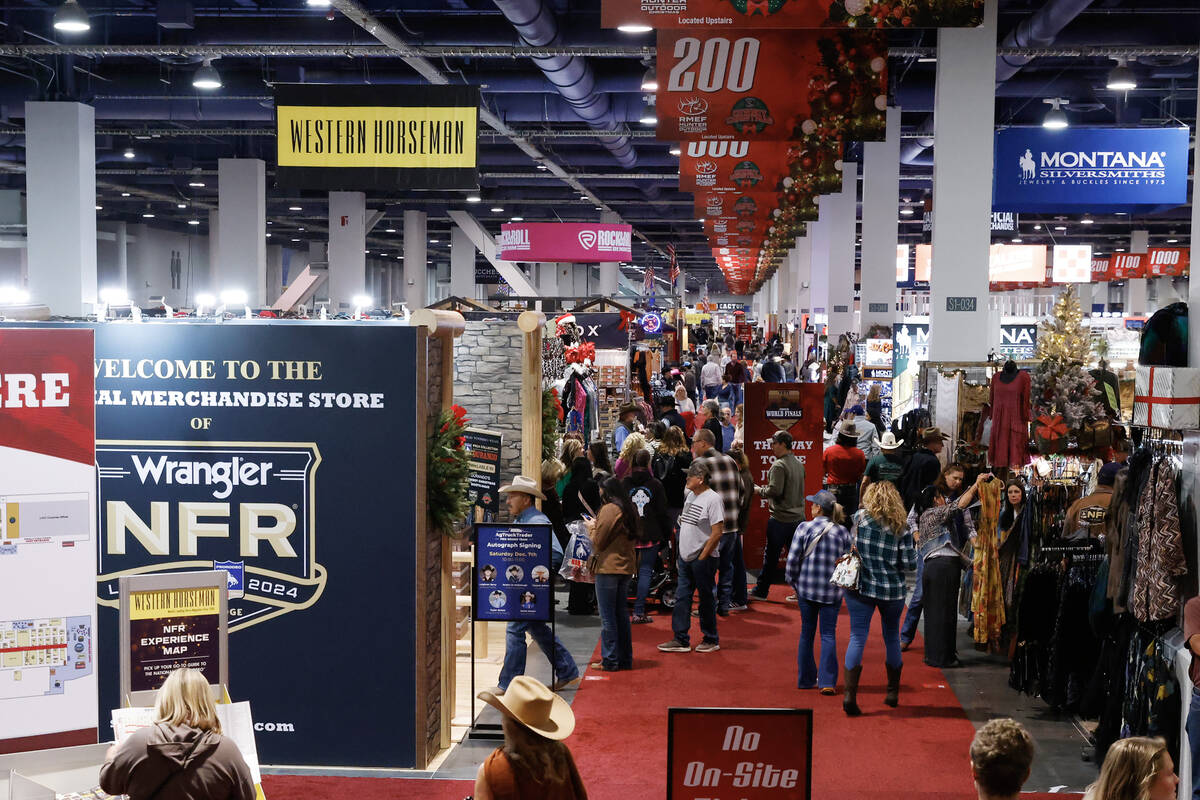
(389, 230)
(1120, 249)
(1037, 227)
(1060, 227)
(675, 151)
(634, 28)
(207, 77)
(648, 119)
(124, 194)
(908, 212)
(474, 198)
(497, 209)
(433, 241)
(71, 18)
(129, 152)
(1172, 241)
(1087, 221)
(1017, 240)
(1056, 118)
(196, 185)
(518, 219)
(295, 208)
(295, 240)
(1121, 78)
(650, 80)
(318, 3)
(197, 222)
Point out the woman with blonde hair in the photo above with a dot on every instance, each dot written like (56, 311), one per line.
(683, 403)
(571, 449)
(885, 545)
(534, 761)
(633, 443)
(183, 755)
(1137, 768)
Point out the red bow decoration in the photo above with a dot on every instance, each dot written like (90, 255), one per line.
(758, 7)
(626, 318)
(578, 353)
(1051, 427)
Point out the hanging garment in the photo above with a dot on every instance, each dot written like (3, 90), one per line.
(1156, 592)
(987, 588)
(1008, 445)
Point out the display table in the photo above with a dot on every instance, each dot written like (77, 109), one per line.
(44, 774)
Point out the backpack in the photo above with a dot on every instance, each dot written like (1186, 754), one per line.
(661, 465)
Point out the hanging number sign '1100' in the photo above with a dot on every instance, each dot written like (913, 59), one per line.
(245, 508)
(771, 86)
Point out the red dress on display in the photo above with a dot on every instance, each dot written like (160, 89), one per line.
(1009, 443)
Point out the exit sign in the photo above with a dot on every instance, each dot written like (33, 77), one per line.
(878, 308)
(962, 303)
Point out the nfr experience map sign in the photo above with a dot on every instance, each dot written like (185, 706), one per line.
(247, 508)
(172, 628)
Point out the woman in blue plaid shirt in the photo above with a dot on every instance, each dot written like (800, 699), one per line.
(886, 546)
(816, 547)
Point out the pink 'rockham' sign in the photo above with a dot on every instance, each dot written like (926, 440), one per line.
(564, 241)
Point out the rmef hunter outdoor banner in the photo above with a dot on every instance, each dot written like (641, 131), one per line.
(376, 138)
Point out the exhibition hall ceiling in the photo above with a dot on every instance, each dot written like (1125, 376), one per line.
(159, 137)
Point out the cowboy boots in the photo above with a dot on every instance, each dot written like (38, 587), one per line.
(850, 698)
(892, 698)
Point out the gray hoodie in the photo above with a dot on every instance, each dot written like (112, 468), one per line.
(177, 762)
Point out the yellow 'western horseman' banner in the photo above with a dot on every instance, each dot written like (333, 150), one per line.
(376, 137)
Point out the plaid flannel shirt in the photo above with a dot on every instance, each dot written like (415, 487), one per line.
(810, 575)
(725, 479)
(885, 558)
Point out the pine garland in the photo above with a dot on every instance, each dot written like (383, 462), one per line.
(446, 472)
(552, 412)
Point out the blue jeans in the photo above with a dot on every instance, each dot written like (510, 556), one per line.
(616, 638)
(515, 651)
(826, 615)
(779, 540)
(695, 577)
(732, 569)
(1193, 734)
(645, 557)
(913, 615)
(861, 609)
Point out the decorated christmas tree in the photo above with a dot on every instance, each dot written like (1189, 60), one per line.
(1061, 383)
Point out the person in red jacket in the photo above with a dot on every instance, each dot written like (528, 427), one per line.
(844, 467)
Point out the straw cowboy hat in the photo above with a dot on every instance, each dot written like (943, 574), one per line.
(529, 702)
(890, 442)
(848, 429)
(526, 485)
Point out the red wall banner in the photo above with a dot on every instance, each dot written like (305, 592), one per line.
(797, 408)
(47, 401)
(725, 14)
(564, 241)
(772, 85)
(740, 753)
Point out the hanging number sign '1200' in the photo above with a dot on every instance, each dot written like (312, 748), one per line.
(723, 87)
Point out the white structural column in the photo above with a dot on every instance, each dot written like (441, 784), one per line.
(415, 260)
(462, 264)
(842, 222)
(802, 276)
(208, 285)
(120, 277)
(547, 279)
(274, 272)
(880, 229)
(964, 108)
(783, 277)
(818, 236)
(60, 180)
(347, 249)
(241, 261)
(610, 272)
(1136, 300)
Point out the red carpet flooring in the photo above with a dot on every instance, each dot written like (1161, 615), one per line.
(916, 750)
(307, 787)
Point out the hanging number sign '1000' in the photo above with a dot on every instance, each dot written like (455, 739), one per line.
(715, 87)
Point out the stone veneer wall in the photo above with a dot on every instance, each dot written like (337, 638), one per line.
(487, 383)
(431, 647)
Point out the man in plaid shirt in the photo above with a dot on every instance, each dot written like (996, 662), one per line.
(725, 479)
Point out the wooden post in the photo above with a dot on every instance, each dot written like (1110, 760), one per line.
(446, 326)
(531, 324)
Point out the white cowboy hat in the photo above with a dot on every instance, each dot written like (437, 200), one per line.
(889, 441)
(529, 702)
(526, 485)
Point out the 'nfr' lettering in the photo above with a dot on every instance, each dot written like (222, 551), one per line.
(272, 523)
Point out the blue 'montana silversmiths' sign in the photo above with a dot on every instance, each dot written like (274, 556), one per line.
(1088, 169)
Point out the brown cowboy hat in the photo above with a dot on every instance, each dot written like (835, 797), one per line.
(628, 408)
(933, 434)
(531, 703)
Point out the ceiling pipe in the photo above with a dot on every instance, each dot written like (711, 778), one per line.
(1038, 30)
(573, 76)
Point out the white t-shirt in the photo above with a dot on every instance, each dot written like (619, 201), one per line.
(700, 513)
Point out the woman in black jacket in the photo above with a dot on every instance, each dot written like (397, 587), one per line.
(581, 495)
(649, 499)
